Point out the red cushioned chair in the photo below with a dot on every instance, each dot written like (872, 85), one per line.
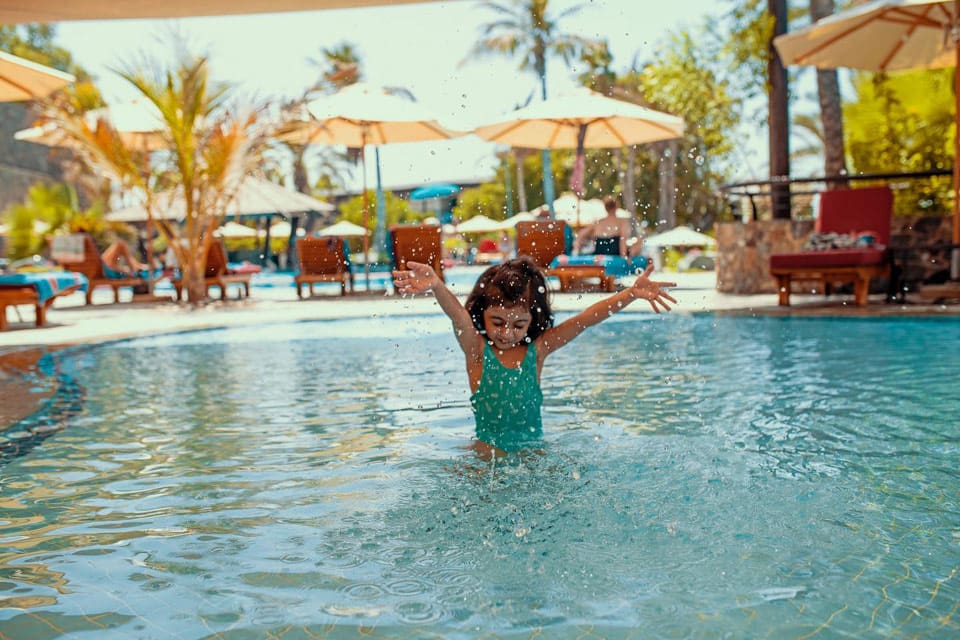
(847, 211)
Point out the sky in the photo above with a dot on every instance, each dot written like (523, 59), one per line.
(421, 47)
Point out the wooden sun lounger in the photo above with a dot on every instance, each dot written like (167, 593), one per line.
(842, 211)
(92, 266)
(573, 277)
(417, 243)
(217, 273)
(322, 260)
(12, 295)
(543, 240)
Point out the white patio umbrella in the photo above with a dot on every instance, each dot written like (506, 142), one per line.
(888, 35)
(680, 236)
(253, 197)
(22, 79)
(345, 229)
(236, 230)
(580, 120)
(283, 228)
(359, 115)
(479, 224)
(523, 216)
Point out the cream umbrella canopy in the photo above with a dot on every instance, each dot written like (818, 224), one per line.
(581, 119)
(22, 79)
(137, 122)
(363, 114)
(888, 35)
(20, 12)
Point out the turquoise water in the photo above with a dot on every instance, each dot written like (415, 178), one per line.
(704, 477)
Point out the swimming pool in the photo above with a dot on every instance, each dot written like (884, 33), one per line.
(704, 477)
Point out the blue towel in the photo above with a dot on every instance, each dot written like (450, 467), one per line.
(47, 284)
(612, 265)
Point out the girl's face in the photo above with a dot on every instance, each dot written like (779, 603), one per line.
(506, 327)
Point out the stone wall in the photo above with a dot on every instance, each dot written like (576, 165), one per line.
(744, 249)
(911, 238)
(21, 163)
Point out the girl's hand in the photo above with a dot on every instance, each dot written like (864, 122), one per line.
(417, 278)
(644, 287)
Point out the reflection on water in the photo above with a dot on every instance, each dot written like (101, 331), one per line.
(704, 477)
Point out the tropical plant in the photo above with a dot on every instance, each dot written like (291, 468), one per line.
(211, 147)
(488, 199)
(687, 77)
(398, 210)
(56, 205)
(904, 122)
(528, 30)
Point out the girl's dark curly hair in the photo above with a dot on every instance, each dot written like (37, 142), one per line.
(517, 282)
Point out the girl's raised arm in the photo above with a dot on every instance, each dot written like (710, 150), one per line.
(642, 287)
(419, 278)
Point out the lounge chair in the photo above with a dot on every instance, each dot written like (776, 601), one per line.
(417, 243)
(77, 252)
(545, 242)
(849, 213)
(217, 273)
(322, 260)
(37, 289)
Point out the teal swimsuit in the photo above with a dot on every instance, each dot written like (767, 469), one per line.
(507, 402)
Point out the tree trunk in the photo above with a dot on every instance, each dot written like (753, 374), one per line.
(519, 155)
(667, 206)
(779, 117)
(301, 182)
(831, 114)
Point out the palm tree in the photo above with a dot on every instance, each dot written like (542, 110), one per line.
(828, 91)
(526, 29)
(210, 149)
(340, 68)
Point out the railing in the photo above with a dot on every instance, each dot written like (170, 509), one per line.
(741, 189)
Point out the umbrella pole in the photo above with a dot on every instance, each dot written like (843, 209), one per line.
(955, 253)
(366, 235)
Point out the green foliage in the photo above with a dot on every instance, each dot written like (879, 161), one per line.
(686, 77)
(904, 122)
(56, 206)
(398, 210)
(747, 45)
(488, 199)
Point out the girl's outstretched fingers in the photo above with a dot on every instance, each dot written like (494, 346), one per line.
(644, 287)
(416, 278)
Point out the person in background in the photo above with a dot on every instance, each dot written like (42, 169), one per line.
(609, 234)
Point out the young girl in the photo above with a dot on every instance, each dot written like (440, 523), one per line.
(506, 332)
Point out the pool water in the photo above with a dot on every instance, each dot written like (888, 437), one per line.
(704, 477)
